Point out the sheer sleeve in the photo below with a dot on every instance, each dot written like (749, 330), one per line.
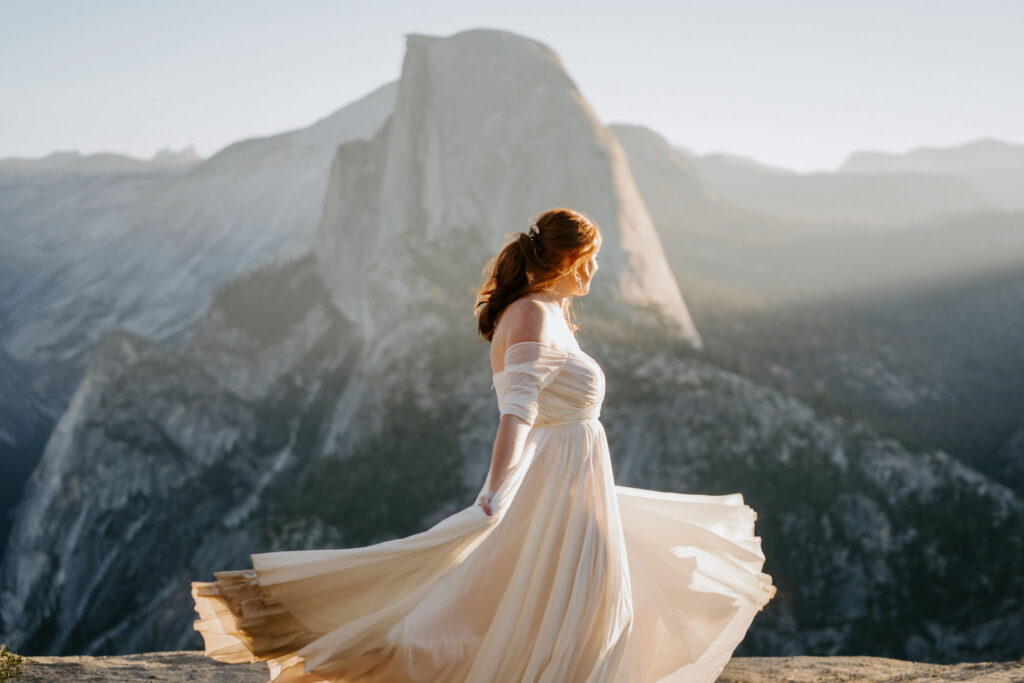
(529, 367)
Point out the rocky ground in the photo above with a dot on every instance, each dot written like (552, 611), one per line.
(834, 669)
(192, 666)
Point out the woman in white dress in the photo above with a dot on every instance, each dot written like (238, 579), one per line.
(554, 574)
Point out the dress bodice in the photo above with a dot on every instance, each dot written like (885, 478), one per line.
(546, 386)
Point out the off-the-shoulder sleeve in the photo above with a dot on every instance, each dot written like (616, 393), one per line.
(529, 367)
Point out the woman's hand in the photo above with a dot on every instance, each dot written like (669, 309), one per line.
(484, 501)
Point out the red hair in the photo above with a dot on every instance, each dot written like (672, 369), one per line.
(530, 263)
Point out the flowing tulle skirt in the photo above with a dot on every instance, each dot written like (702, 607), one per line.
(572, 579)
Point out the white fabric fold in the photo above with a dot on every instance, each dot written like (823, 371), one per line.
(528, 368)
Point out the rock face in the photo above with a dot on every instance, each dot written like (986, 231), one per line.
(25, 423)
(95, 242)
(488, 130)
(155, 469)
(317, 388)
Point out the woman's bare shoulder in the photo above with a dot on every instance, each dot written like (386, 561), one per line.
(524, 320)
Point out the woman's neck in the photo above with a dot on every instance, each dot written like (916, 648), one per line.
(552, 296)
(559, 303)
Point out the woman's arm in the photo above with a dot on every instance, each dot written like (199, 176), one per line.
(509, 440)
(523, 320)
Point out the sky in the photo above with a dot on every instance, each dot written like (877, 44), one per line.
(793, 84)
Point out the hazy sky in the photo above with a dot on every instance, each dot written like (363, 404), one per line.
(796, 84)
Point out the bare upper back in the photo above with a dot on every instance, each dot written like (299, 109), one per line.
(529, 319)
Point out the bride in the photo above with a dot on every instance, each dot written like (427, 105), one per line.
(554, 574)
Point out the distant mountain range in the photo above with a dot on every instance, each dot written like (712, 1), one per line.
(93, 242)
(985, 154)
(995, 167)
(274, 348)
(98, 242)
(100, 163)
(759, 254)
(874, 188)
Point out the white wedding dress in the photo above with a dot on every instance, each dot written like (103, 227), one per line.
(573, 578)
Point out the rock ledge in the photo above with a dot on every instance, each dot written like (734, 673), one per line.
(192, 666)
